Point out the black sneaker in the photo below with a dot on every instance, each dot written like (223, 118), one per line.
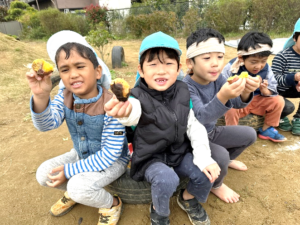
(157, 219)
(195, 211)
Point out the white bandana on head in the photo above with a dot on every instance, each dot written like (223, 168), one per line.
(237, 63)
(210, 45)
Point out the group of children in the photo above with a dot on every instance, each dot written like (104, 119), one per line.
(174, 121)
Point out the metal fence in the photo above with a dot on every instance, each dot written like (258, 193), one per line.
(12, 28)
(118, 17)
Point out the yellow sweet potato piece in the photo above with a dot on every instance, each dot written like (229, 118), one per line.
(120, 88)
(236, 77)
(41, 67)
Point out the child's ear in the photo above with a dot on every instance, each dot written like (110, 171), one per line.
(179, 68)
(241, 58)
(189, 63)
(140, 71)
(98, 72)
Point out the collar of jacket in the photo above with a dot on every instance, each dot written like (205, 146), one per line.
(158, 95)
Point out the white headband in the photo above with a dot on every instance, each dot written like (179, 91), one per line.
(251, 51)
(237, 63)
(210, 45)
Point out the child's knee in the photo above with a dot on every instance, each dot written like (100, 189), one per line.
(41, 175)
(168, 180)
(251, 134)
(289, 107)
(279, 101)
(223, 161)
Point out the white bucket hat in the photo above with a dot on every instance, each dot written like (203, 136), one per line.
(62, 37)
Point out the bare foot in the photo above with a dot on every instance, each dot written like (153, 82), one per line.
(226, 194)
(237, 165)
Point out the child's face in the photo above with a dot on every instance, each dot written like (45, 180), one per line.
(160, 76)
(254, 64)
(296, 47)
(207, 67)
(78, 74)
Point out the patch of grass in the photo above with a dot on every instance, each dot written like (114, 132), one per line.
(124, 64)
(113, 74)
(18, 50)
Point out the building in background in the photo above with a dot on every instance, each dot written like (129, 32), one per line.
(62, 5)
(115, 4)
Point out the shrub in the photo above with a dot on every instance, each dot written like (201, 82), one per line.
(278, 16)
(52, 21)
(191, 21)
(142, 25)
(3, 13)
(226, 16)
(17, 9)
(96, 14)
(100, 38)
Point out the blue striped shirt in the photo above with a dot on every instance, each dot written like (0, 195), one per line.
(285, 65)
(111, 144)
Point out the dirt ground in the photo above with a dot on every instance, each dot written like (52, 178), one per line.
(269, 189)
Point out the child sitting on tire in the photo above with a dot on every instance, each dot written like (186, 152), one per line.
(100, 152)
(166, 133)
(212, 96)
(254, 49)
(286, 67)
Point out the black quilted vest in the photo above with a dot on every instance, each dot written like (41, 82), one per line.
(160, 135)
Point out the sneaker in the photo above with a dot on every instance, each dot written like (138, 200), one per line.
(271, 134)
(110, 216)
(62, 206)
(296, 126)
(195, 211)
(285, 125)
(157, 219)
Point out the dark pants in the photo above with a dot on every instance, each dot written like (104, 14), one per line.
(289, 106)
(227, 143)
(164, 181)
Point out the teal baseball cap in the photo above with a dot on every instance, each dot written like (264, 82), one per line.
(157, 40)
(290, 42)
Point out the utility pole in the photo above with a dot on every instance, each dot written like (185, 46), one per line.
(37, 4)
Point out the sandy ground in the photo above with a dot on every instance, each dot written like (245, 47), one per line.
(269, 189)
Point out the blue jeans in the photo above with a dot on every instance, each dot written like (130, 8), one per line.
(164, 181)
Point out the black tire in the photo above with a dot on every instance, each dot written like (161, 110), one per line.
(250, 120)
(133, 192)
(117, 56)
(55, 79)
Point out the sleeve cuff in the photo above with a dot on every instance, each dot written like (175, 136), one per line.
(290, 79)
(66, 169)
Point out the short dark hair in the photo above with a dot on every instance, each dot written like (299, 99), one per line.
(253, 39)
(203, 34)
(296, 35)
(152, 52)
(82, 50)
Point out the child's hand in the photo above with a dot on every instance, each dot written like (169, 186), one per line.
(117, 109)
(39, 85)
(298, 86)
(230, 91)
(212, 172)
(252, 83)
(58, 179)
(297, 76)
(264, 84)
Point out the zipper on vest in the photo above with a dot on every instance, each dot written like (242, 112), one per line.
(175, 118)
